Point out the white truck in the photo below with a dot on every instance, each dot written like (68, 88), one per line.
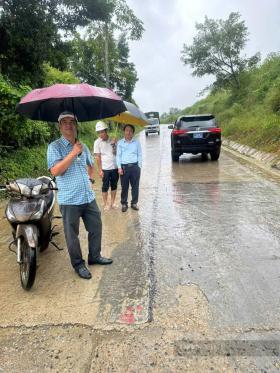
(154, 123)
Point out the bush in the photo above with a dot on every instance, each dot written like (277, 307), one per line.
(16, 130)
(273, 97)
(24, 162)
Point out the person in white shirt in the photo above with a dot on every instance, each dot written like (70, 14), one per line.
(104, 150)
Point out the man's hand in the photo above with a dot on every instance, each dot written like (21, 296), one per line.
(77, 148)
(120, 171)
(101, 174)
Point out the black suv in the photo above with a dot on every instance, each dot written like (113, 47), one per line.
(196, 134)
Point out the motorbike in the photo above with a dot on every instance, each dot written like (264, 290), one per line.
(30, 214)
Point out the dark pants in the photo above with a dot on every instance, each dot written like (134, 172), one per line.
(110, 179)
(131, 176)
(90, 214)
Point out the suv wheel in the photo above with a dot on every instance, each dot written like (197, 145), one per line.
(215, 155)
(175, 156)
(204, 156)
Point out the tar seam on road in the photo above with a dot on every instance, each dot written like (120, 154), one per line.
(151, 246)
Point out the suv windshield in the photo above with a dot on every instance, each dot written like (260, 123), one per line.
(153, 121)
(196, 121)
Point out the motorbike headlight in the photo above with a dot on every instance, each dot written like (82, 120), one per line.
(36, 190)
(10, 215)
(38, 214)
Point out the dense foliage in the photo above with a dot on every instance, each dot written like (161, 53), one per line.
(34, 32)
(15, 130)
(87, 61)
(39, 46)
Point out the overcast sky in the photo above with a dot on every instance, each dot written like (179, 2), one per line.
(164, 81)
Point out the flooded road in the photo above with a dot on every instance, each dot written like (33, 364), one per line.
(193, 287)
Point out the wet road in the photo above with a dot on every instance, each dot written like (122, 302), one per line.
(201, 257)
(214, 224)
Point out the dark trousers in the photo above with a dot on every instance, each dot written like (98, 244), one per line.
(91, 216)
(131, 176)
(110, 179)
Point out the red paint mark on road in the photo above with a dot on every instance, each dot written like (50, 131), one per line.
(128, 316)
(132, 314)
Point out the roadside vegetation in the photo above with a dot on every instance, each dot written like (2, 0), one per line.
(250, 114)
(245, 96)
(43, 42)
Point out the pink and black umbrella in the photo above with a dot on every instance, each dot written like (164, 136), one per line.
(85, 101)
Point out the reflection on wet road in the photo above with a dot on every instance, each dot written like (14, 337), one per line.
(213, 224)
(206, 232)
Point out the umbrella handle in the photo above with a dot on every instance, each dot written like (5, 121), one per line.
(76, 139)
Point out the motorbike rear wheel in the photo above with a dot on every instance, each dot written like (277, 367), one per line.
(27, 266)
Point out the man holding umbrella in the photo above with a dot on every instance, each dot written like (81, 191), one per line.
(71, 163)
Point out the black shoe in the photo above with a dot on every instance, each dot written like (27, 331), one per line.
(83, 272)
(135, 207)
(100, 260)
(124, 208)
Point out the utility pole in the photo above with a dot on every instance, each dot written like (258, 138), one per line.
(106, 46)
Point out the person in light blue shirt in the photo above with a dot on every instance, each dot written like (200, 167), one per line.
(129, 163)
(71, 163)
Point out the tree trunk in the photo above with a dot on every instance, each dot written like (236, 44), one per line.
(106, 47)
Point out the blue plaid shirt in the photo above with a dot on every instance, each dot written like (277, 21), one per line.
(74, 186)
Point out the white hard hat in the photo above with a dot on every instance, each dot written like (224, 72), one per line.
(100, 126)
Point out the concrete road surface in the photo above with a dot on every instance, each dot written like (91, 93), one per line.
(194, 286)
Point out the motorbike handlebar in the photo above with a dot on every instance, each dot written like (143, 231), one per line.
(4, 187)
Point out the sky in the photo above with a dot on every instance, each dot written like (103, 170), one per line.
(164, 81)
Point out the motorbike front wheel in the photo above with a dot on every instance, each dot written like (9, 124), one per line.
(27, 266)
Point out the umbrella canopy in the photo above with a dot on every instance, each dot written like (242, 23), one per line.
(85, 101)
(132, 115)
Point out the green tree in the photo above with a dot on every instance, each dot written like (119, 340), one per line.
(88, 56)
(216, 50)
(126, 21)
(126, 75)
(30, 34)
(88, 61)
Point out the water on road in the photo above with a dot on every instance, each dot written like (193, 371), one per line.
(200, 260)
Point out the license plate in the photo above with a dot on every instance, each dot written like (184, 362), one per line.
(198, 135)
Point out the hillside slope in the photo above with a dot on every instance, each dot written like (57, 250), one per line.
(250, 115)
